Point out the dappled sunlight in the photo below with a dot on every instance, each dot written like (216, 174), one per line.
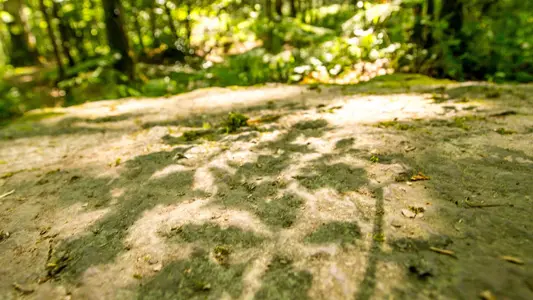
(323, 192)
(75, 220)
(266, 149)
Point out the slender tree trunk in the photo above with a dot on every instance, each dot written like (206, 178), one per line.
(171, 22)
(63, 34)
(51, 34)
(138, 29)
(188, 24)
(279, 8)
(268, 9)
(430, 12)
(153, 26)
(77, 34)
(293, 8)
(418, 28)
(21, 53)
(116, 37)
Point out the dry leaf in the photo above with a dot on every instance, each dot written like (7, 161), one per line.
(419, 177)
(442, 251)
(513, 260)
(23, 289)
(487, 295)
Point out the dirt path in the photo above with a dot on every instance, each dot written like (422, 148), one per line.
(379, 191)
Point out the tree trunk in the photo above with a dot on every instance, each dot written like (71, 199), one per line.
(268, 9)
(21, 54)
(418, 29)
(429, 42)
(51, 34)
(452, 11)
(63, 34)
(293, 8)
(116, 37)
(188, 24)
(171, 22)
(279, 8)
(138, 29)
(153, 25)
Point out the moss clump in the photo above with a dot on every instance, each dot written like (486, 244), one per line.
(461, 122)
(504, 131)
(342, 233)
(221, 254)
(282, 281)
(235, 121)
(193, 135)
(196, 278)
(211, 234)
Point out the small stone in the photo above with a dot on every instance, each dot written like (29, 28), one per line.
(408, 213)
(396, 223)
(157, 267)
(4, 235)
(153, 261)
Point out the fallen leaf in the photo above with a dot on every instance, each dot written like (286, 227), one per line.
(419, 177)
(443, 251)
(22, 289)
(409, 148)
(513, 260)
(408, 213)
(487, 295)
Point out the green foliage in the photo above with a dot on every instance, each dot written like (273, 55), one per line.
(488, 45)
(234, 43)
(10, 102)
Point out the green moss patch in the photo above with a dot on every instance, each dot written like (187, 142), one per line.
(282, 281)
(281, 212)
(211, 234)
(197, 278)
(342, 233)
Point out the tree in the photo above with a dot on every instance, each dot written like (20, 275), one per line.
(21, 52)
(51, 34)
(268, 9)
(293, 8)
(63, 33)
(279, 8)
(116, 37)
(167, 7)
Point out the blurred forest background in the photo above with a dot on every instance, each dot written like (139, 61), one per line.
(65, 52)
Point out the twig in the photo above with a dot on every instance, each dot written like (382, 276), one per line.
(512, 259)
(7, 194)
(443, 251)
(476, 205)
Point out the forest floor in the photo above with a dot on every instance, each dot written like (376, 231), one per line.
(400, 188)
